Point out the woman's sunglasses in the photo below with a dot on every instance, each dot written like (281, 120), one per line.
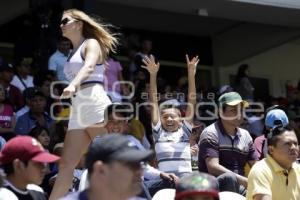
(66, 21)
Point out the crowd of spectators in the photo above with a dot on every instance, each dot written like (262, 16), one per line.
(150, 115)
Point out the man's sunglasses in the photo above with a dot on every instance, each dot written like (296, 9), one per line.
(67, 21)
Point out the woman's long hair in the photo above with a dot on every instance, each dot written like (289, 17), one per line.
(93, 29)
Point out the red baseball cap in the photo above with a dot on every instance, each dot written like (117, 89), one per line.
(25, 148)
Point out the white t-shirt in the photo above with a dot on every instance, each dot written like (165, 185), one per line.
(6, 194)
(18, 83)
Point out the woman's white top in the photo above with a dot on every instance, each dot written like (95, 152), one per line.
(76, 61)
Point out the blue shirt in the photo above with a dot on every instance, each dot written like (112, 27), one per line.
(56, 63)
(27, 121)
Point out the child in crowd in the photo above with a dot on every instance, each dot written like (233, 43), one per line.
(41, 134)
(171, 133)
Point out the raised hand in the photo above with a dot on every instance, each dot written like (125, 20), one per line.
(151, 66)
(192, 64)
(194, 150)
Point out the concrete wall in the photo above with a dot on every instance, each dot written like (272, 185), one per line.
(246, 40)
(277, 65)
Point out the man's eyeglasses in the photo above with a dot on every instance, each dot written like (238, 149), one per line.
(66, 21)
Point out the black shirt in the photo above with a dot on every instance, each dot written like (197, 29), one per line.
(25, 195)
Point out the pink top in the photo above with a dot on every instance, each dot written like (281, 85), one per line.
(111, 73)
(6, 116)
(259, 148)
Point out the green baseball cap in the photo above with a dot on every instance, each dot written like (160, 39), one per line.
(232, 99)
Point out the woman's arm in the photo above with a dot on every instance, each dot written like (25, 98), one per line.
(92, 53)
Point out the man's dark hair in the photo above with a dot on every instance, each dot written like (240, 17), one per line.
(37, 130)
(22, 60)
(39, 80)
(9, 168)
(273, 136)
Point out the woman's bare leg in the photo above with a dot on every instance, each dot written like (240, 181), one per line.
(75, 145)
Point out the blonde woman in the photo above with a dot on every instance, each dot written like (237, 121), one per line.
(92, 42)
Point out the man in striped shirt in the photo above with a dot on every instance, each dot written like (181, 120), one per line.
(224, 148)
(171, 133)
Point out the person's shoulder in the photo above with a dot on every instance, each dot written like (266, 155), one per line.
(6, 194)
(56, 54)
(296, 167)
(210, 131)
(35, 188)
(244, 132)
(260, 167)
(91, 41)
(261, 171)
(14, 80)
(14, 88)
(259, 139)
(37, 194)
(48, 117)
(157, 127)
(24, 116)
(133, 139)
(22, 110)
(91, 44)
(187, 124)
(135, 122)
